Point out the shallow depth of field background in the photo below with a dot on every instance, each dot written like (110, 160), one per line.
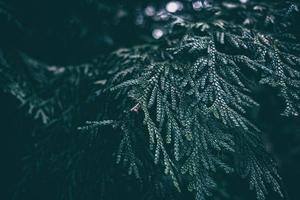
(61, 32)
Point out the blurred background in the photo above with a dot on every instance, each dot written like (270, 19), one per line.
(72, 32)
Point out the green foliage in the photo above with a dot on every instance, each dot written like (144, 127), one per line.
(196, 95)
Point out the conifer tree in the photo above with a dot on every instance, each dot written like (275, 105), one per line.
(168, 117)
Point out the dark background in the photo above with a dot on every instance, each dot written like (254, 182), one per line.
(67, 32)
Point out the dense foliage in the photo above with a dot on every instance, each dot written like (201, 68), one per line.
(169, 110)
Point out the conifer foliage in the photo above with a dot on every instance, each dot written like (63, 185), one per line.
(180, 109)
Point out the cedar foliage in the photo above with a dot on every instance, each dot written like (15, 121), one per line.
(173, 113)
